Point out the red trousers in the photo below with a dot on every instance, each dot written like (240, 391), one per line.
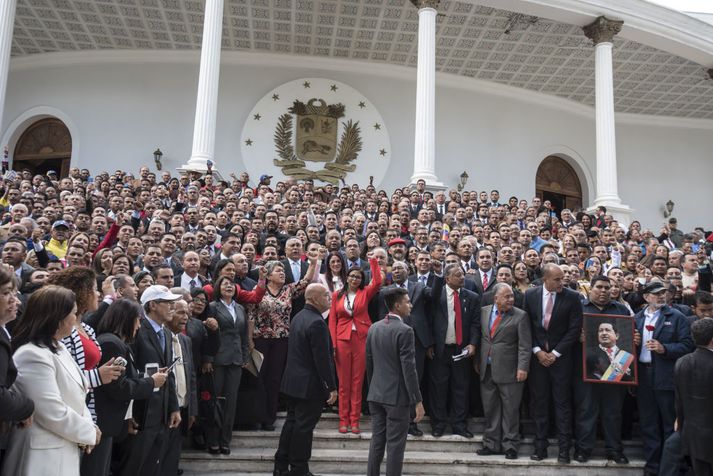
(351, 366)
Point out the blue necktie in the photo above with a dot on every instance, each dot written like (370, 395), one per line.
(423, 279)
(295, 271)
(161, 340)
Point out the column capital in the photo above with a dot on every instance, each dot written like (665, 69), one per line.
(426, 4)
(602, 30)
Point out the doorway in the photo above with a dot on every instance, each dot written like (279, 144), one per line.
(45, 145)
(559, 183)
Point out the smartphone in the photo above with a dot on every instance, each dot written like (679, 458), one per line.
(150, 370)
(120, 361)
(173, 364)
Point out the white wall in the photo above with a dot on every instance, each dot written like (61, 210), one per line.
(123, 111)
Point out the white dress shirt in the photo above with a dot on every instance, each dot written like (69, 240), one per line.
(186, 281)
(650, 319)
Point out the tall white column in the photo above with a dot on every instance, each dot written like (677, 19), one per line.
(207, 97)
(424, 161)
(602, 32)
(7, 23)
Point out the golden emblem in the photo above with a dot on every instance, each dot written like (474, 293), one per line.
(316, 141)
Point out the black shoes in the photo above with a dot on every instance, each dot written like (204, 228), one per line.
(224, 450)
(563, 457)
(437, 432)
(414, 430)
(511, 454)
(485, 451)
(581, 456)
(462, 432)
(539, 455)
(618, 458)
(214, 451)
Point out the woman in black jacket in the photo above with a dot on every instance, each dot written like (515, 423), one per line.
(15, 408)
(115, 332)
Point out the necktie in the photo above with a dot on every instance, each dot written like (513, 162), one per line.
(548, 311)
(496, 323)
(485, 280)
(193, 284)
(295, 271)
(161, 340)
(459, 318)
(179, 372)
(610, 352)
(422, 279)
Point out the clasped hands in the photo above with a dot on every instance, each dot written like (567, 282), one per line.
(545, 358)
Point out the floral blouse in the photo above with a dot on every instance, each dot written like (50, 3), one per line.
(272, 314)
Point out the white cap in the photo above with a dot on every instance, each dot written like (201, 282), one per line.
(158, 293)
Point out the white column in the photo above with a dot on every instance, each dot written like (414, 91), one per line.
(424, 162)
(602, 32)
(207, 97)
(7, 23)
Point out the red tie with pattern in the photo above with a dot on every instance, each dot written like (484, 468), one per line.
(496, 323)
(459, 318)
(485, 280)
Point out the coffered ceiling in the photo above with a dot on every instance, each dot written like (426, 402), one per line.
(537, 54)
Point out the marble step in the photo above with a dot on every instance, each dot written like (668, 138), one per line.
(250, 461)
(332, 439)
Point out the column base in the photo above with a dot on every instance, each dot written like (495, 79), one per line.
(432, 182)
(620, 212)
(200, 168)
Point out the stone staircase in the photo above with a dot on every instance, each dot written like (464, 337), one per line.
(334, 453)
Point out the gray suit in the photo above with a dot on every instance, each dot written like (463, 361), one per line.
(393, 389)
(509, 350)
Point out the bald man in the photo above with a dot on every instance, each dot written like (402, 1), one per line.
(308, 381)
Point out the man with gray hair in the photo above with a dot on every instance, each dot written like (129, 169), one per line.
(502, 364)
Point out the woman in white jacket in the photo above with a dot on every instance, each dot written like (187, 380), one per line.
(48, 374)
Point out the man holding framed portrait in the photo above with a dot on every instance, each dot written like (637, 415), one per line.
(608, 359)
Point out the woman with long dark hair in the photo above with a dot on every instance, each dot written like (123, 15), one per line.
(49, 376)
(116, 331)
(349, 324)
(335, 278)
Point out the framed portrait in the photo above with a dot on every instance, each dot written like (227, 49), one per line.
(608, 350)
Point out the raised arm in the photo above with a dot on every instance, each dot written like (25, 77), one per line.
(373, 287)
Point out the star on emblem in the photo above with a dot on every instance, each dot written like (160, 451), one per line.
(249, 142)
(333, 87)
(377, 127)
(306, 84)
(362, 104)
(382, 152)
(257, 117)
(275, 97)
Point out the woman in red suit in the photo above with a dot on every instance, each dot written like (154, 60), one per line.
(348, 324)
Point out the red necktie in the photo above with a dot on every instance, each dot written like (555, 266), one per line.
(459, 318)
(610, 351)
(548, 311)
(485, 280)
(496, 323)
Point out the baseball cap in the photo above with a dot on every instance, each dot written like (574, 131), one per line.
(158, 293)
(59, 223)
(265, 177)
(653, 288)
(397, 241)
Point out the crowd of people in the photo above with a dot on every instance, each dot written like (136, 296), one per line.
(137, 310)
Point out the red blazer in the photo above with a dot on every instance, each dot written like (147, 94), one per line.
(241, 296)
(340, 321)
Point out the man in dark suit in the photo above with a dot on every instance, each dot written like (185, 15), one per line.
(160, 412)
(593, 400)
(484, 276)
(308, 382)
(456, 335)
(694, 394)
(393, 383)
(503, 364)
(419, 296)
(186, 387)
(503, 274)
(468, 283)
(665, 336)
(295, 269)
(556, 317)
(423, 275)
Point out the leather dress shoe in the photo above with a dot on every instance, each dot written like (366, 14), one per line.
(563, 457)
(280, 472)
(214, 451)
(538, 455)
(463, 432)
(511, 454)
(618, 458)
(179, 472)
(581, 456)
(414, 430)
(224, 450)
(437, 432)
(485, 451)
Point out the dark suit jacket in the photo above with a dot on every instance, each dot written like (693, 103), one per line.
(598, 363)
(479, 282)
(674, 333)
(470, 314)
(14, 406)
(391, 363)
(510, 348)
(309, 373)
(694, 394)
(112, 399)
(92, 318)
(204, 343)
(191, 377)
(154, 410)
(565, 323)
(233, 349)
(419, 319)
(298, 302)
(429, 280)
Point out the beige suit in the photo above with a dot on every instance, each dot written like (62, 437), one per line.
(501, 356)
(62, 420)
